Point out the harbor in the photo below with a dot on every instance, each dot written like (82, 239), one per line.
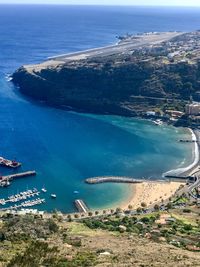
(22, 199)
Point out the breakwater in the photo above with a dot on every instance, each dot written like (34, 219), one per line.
(98, 180)
(113, 179)
(5, 180)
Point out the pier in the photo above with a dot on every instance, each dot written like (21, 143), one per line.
(5, 180)
(81, 206)
(99, 180)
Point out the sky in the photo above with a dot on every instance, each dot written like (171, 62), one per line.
(108, 2)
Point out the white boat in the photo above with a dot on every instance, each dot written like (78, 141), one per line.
(76, 192)
(53, 195)
(158, 122)
(44, 190)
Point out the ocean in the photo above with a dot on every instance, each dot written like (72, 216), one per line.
(64, 147)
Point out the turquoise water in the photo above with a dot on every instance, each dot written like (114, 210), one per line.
(64, 147)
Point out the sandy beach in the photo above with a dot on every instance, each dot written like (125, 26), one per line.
(150, 193)
(155, 191)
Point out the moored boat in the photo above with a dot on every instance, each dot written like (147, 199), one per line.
(44, 190)
(9, 163)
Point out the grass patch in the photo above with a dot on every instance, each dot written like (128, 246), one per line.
(76, 228)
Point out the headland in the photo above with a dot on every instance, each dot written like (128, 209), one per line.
(151, 71)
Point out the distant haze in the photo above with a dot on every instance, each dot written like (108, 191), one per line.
(108, 2)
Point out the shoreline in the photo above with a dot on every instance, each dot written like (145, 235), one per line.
(154, 192)
(150, 193)
(188, 170)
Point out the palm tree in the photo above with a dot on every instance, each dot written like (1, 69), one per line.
(90, 213)
(104, 211)
(143, 204)
(69, 217)
(139, 210)
(130, 207)
(96, 212)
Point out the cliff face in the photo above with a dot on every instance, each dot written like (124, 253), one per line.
(122, 84)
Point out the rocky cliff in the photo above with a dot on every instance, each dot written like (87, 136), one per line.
(124, 83)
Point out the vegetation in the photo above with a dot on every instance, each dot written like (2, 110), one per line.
(57, 243)
(146, 79)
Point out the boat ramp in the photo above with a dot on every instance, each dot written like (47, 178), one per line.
(81, 206)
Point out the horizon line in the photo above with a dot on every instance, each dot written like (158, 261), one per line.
(109, 5)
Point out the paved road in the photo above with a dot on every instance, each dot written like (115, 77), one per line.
(123, 47)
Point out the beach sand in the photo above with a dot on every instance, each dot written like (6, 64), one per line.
(153, 192)
(150, 193)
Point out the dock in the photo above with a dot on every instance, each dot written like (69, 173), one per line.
(5, 180)
(99, 180)
(81, 206)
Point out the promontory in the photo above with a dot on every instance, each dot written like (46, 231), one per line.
(141, 72)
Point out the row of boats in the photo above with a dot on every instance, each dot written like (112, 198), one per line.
(28, 203)
(19, 197)
(24, 196)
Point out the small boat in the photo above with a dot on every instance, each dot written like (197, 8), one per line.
(76, 192)
(53, 195)
(44, 190)
(158, 122)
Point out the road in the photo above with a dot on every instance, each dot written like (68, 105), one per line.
(124, 47)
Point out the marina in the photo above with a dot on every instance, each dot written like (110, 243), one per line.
(21, 196)
(28, 203)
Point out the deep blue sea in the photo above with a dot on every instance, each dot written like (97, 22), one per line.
(64, 147)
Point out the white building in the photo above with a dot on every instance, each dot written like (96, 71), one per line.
(192, 109)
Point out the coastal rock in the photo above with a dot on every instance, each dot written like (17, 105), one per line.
(126, 83)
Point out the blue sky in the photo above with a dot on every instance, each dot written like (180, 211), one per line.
(109, 2)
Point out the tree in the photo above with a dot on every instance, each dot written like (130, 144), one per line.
(169, 206)
(130, 207)
(76, 215)
(188, 227)
(118, 210)
(96, 212)
(143, 204)
(104, 211)
(90, 213)
(138, 210)
(156, 207)
(69, 217)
